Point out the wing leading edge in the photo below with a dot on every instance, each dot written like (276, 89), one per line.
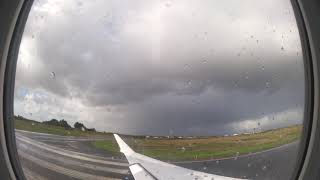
(145, 168)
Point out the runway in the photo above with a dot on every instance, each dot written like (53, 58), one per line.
(54, 157)
(277, 163)
(47, 157)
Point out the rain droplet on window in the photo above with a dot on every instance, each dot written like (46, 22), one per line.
(183, 149)
(168, 3)
(189, 82)
(53, 75)
(282, 48)
(264, 168)
(236, 157)
(267, 84)
(79, 4)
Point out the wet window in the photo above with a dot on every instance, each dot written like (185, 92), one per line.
(159, 90)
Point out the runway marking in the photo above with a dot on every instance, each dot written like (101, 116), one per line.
(86, 165)
(30, 175)
(62, 170)
(70, 153)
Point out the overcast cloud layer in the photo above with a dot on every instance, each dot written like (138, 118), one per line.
(162, 67)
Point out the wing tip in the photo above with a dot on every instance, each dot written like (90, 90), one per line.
(124, 148)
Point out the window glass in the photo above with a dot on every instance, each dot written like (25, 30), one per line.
(193, 90)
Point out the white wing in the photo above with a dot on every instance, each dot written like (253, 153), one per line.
(145, 168)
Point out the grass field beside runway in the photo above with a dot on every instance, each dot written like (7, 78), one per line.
(211, 147)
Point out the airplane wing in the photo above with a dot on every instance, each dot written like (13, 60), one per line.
(145, 168)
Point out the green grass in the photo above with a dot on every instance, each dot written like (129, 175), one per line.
(34, 126)
(214, 147)
(110, 146)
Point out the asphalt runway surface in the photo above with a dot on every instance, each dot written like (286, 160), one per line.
(45, 156)
(277, 164)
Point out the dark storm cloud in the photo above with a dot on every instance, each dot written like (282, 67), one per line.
(151, 69)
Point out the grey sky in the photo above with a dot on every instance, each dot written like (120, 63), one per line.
(162, 67)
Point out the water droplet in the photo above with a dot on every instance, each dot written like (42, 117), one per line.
(53, 75)
(204, 168)
(235, 84)
(264, 168)
(204, 61)
(217, 161)
(189, 83)
(32, 36)
(267, 84)
(251, 36)
(282, 48)
(257, 41)
(236, 157)
(262, 68)
(168, 3)
(183, 149)
(249, 164)
(259, 124)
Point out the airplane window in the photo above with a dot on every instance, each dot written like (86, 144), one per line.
(159, 90)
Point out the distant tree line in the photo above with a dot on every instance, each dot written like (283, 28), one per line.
(61, 123)
(82, 127)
